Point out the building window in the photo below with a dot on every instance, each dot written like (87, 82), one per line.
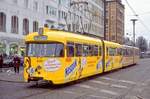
(51, 11)
(26, 3)
(35, 26)
(2, 22)
(14, 24)
(35, 6)
(15, 1)
(25, 26)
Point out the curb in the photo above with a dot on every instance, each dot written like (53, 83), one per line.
(12, 81)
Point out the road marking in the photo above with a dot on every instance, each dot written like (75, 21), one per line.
(70, 92)
(116, 80)
(95, 96)
(119, 86)
(127, 81)
(109, 92)
(107, 78)
(86, 86)
(99, 82)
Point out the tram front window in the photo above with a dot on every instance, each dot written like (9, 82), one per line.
(45, 49)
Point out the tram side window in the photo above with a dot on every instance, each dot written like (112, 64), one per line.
(95, 50)
(131, 52)
(127, 52)
(100, 51)
(70, 50)
(107, 51)
(91, 50)
(112, 51)
(119, 51)
(85, 50)
(78, 49)
(124, 52)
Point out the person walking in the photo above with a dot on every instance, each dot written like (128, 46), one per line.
(16, 61)
(1, 63)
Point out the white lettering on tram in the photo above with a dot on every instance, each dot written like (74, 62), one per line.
(52, 64)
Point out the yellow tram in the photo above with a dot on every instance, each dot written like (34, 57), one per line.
(60, 57)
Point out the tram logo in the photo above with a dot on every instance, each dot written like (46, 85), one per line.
(52, 64)
(99, 64)
(71, 68)
(108, 62)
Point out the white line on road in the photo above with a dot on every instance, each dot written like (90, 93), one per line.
(70, 92)
(109, 92)
(116, 80)
(119, 86)
(99, 82)
(86, 86)
(107, 78)
(100, 97)
(126, 81)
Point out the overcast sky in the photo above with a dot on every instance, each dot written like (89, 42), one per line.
(142, 8)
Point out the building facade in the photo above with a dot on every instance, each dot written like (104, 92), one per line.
(87, 16)
(114, 21)
(20, 17)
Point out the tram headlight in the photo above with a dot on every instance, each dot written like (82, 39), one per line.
(39, 68)
(30, 70)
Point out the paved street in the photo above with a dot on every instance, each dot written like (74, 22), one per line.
(127, 83)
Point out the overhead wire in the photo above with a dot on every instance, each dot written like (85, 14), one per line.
(136, 15)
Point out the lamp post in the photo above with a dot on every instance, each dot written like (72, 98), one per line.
(134, 20)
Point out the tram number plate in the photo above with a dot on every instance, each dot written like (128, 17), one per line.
(40, 38)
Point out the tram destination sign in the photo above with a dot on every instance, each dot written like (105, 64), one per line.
(40, 38)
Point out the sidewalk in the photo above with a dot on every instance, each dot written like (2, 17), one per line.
(9, 75)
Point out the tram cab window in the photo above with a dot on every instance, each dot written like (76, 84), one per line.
(59, 50)
(45, 49)
(85, 50)
(78, 49)
(70, 50)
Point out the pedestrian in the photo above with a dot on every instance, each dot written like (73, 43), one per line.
(16, 61)
(1, 62)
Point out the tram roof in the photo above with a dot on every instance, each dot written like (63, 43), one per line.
(62, 35)
(112, 44)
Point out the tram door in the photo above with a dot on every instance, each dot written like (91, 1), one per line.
(78, 55)
(71, 62)
(109, 59)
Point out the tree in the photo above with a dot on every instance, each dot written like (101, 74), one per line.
(127, 41)
(142, 43)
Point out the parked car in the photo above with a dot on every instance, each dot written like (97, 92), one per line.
(8, 62)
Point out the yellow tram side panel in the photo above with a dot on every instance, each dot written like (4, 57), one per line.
(112, 62)
(87, 66)
(44, 73)
(55, 76)
(127, 60)
(59, 76)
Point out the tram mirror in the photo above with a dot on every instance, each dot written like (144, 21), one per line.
(40, 32)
